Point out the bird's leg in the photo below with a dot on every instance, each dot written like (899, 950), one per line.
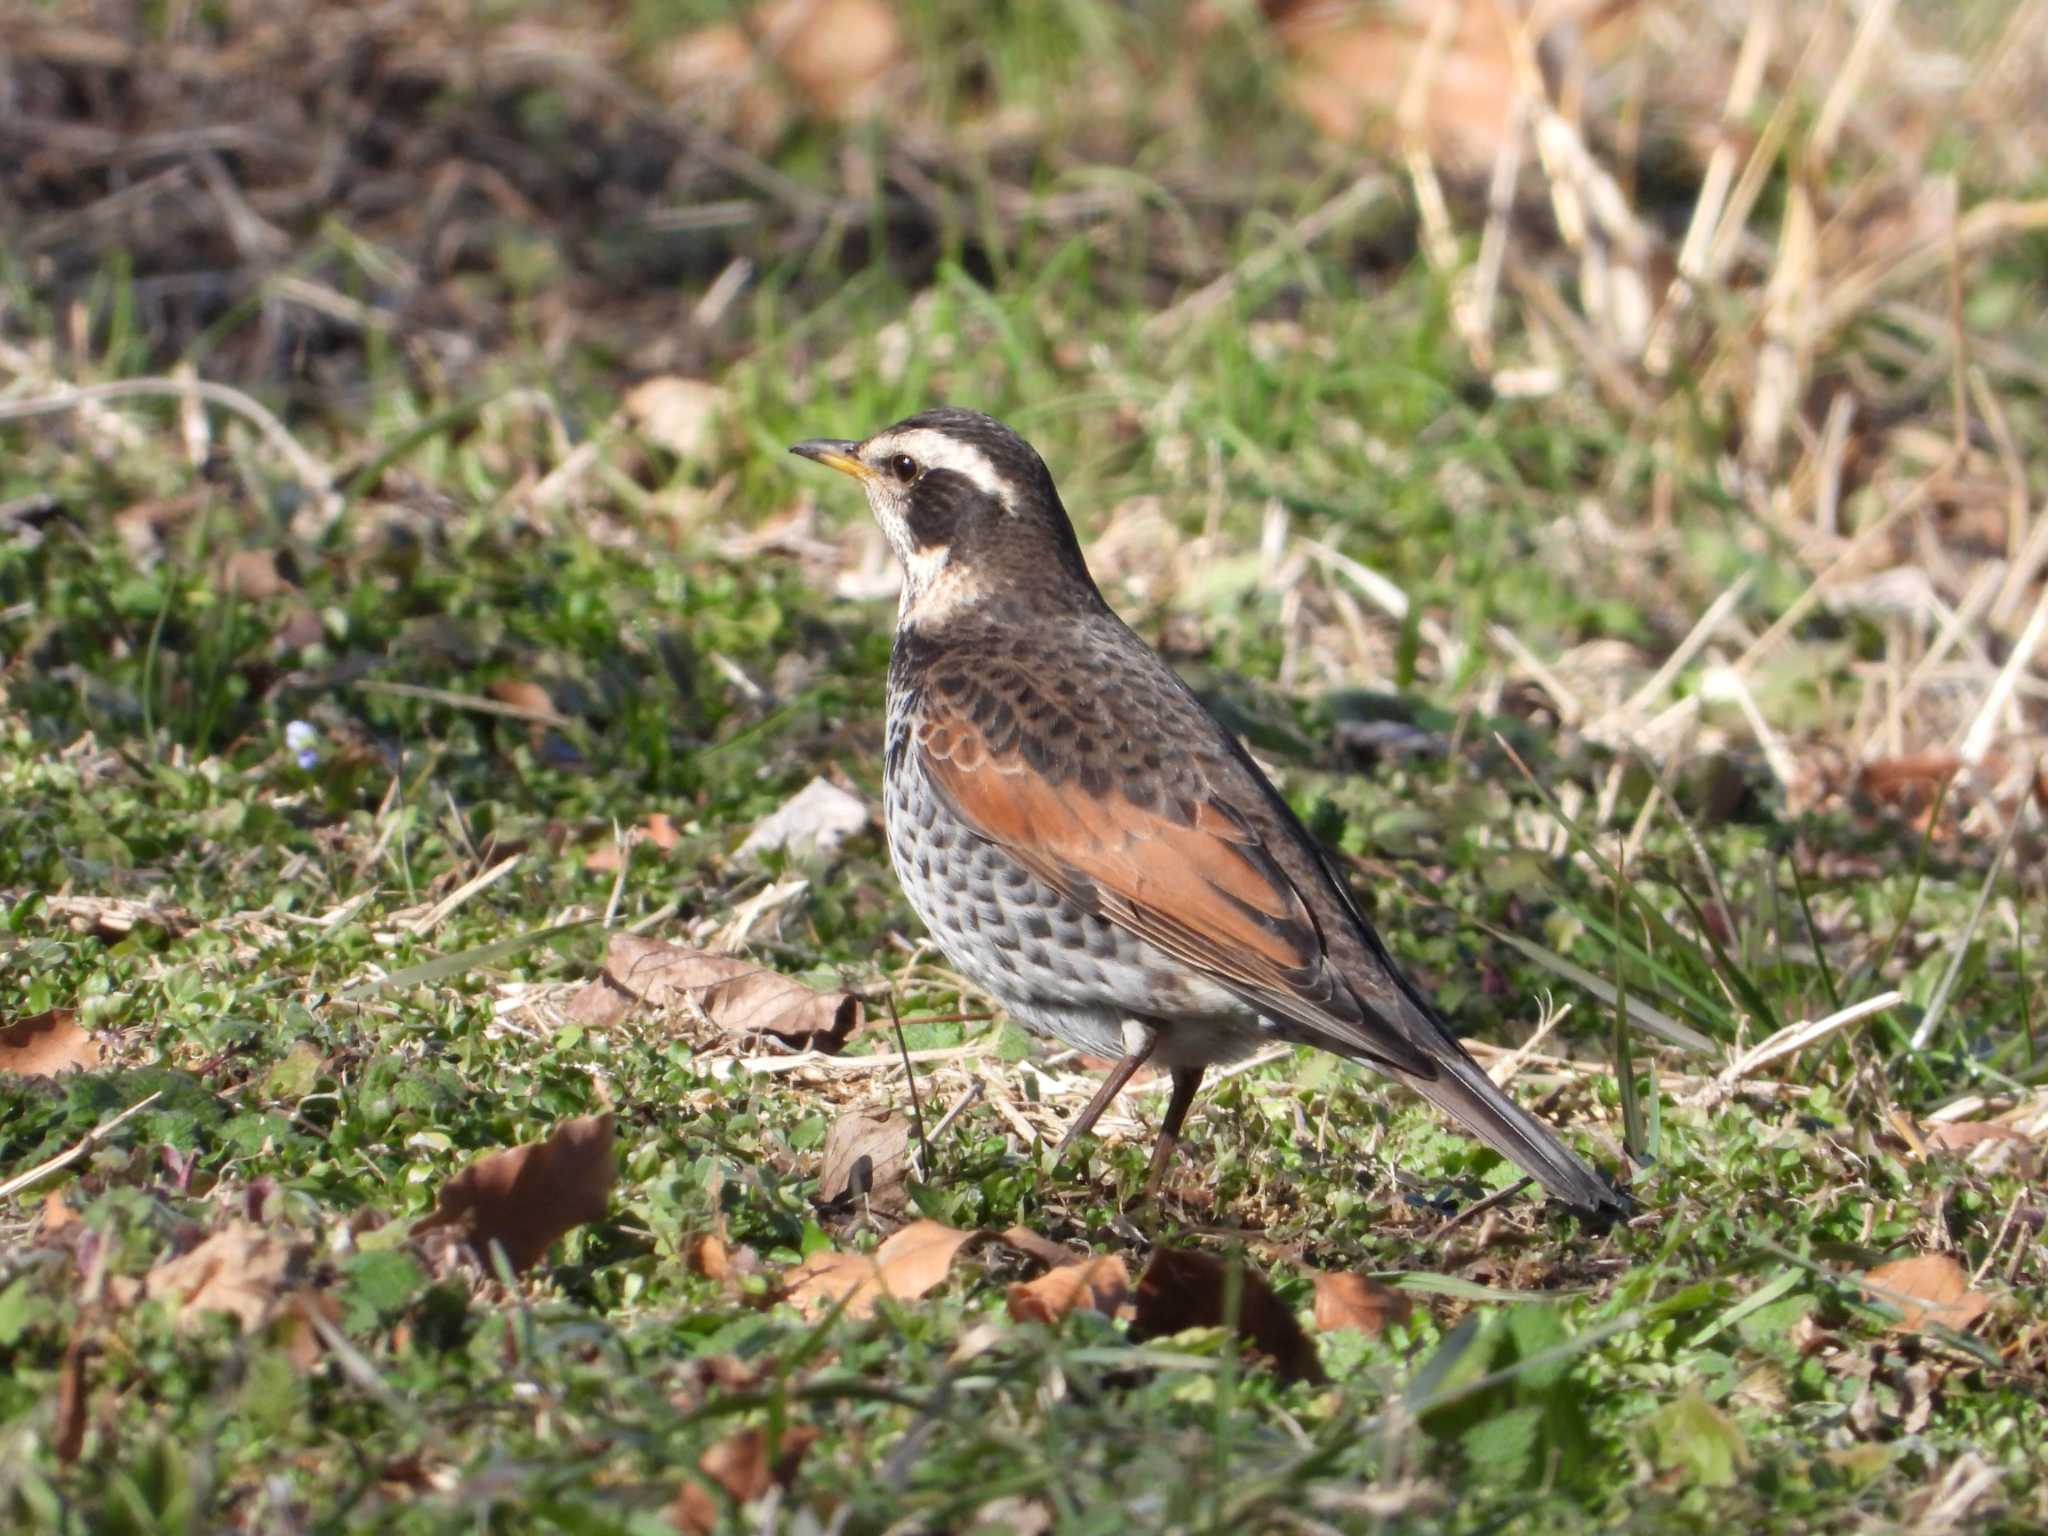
(1139, 1041)
(1185, 1081)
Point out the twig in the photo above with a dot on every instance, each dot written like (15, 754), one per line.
(1797, 1037)
(1924, 1031)
(1498, 1197)
(313, 474)
(439, 913)
(1676, 662)
(469, 701)
(78, 1149)
(624, 843)
(1505, 1067)
(1976, 740)
(960, 1107)
(924, 1165)
(820, 1061)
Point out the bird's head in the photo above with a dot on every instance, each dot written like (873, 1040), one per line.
(967, 505)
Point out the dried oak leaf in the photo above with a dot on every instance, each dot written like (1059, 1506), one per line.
(599, 1005)
(244, 1270)
(710, 1255)
(1100, 1284)
(1359, 1302)
(743, 1465)
(738, 995)
(526, 699)
(526, 1197)
(258, 573)
(1181, 1289)
(866, 1158)
(44, 1044)
(1351, 67)
(1915, 778)
(906, 1266)
(1927, 1288)
(839, 54)
(56, 1214)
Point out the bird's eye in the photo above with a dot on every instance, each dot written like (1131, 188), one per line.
(903, 467)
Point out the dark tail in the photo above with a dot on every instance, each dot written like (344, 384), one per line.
(1462, 1090)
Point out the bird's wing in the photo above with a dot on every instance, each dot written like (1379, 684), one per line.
(1192, 877)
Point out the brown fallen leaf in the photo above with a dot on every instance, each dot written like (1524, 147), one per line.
(1915, 778)
(67, 1435)
(1353, 63)
(526, 1197)
(657, 830)
(56, 1214)
(600, 1004)
(910, 1263)
(738, 995)
(1927, 1288)
(744, 1467)
(1182, 1289)
(44, 1044)
(706, 1254)
(1961, 1135)
(866, 1158)
(243, 1270)
(1101, 1284)
(258, 573)
(710, 1255)
(838, 53)
(717, 71)
(1359, 1302)
(527, 697)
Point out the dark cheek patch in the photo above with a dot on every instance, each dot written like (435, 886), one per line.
(940, 505)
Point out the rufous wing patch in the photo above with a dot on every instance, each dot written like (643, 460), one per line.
(1202, 887)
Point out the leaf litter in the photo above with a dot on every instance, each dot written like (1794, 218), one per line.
(1347, 1300)
(1928, 1288)
(1097, 1284)
(745, 1465)
(908, 1264)
(47, 1043)
(1183, 1289)
(866, 1159)
(734, 995)
(526, 1197)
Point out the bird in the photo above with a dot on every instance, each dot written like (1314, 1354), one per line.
(1089, 845)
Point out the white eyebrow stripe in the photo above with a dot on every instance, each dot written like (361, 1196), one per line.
(938, 450)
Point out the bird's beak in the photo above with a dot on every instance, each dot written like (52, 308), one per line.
(836, 452)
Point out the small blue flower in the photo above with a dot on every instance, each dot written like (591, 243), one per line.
(302, 739)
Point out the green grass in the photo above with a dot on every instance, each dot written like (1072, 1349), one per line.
(1711, 1366)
